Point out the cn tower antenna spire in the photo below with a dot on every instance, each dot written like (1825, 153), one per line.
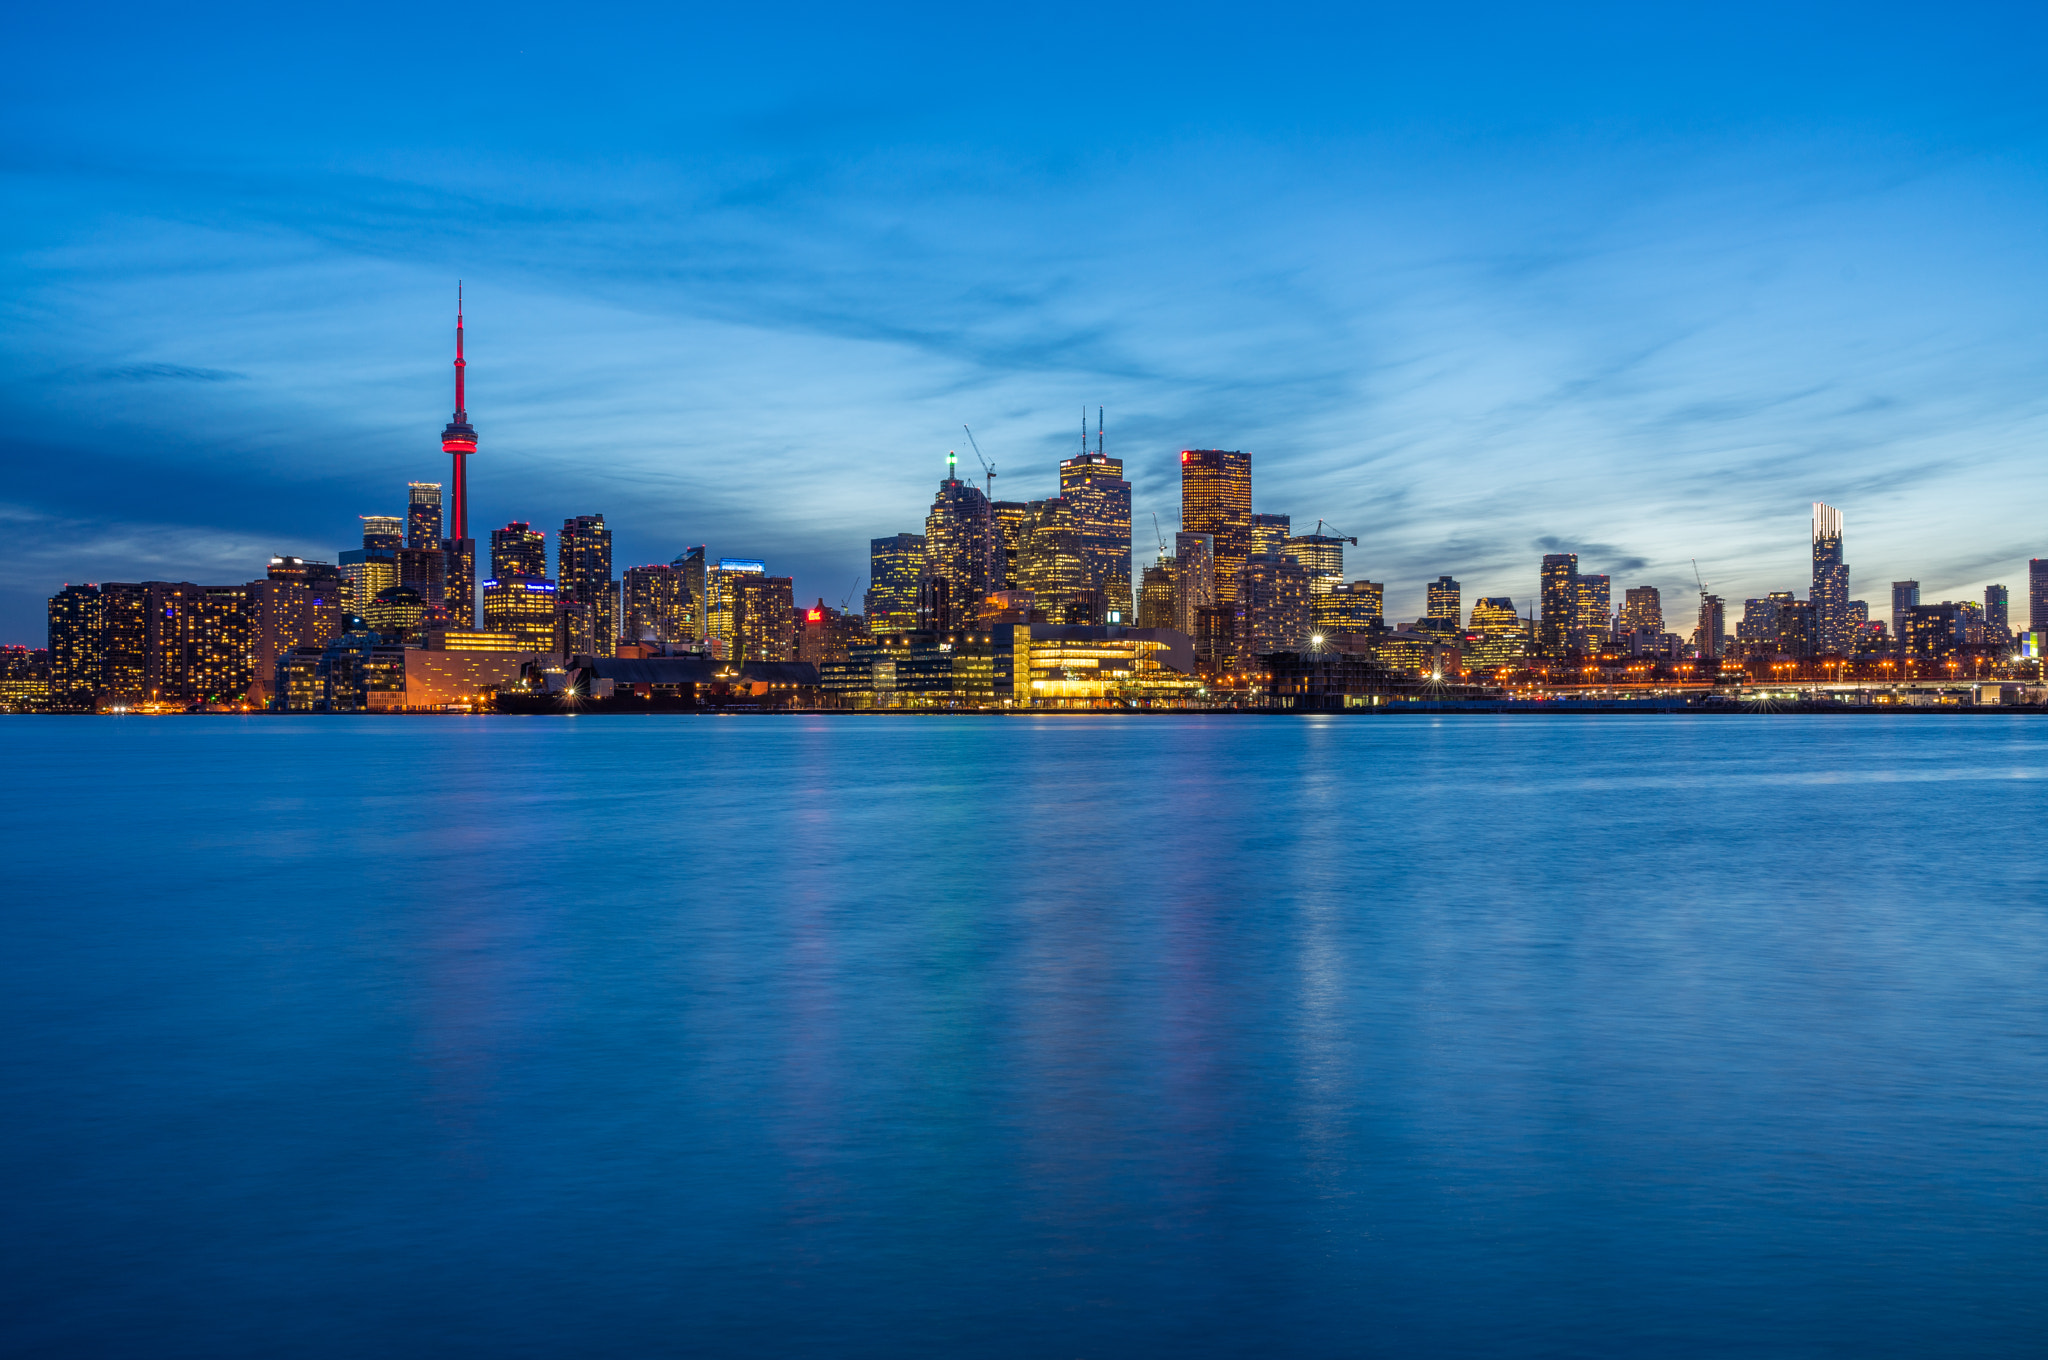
(461, 406)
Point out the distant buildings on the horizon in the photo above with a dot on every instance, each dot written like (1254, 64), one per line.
(941, 610)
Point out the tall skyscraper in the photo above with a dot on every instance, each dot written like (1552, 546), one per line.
(658, 606)
(374, 566)
(1502, 640)
(719, 592)
(1013, 523)
(1998, 614)
(297, 604)
(1155, 595)
(1905, 595)
(1054, 565)
(1266, 533)
(1447, 601)
(458, 441)
(1216, 499)
(1320, 555)
(2037, 594)
(76, 647)
(519, 549)
(1093, 484)
(1829, 594)
(962, 545)
(763, 618)
(894, 564)
(1595, 613)
(1711, 628)
(1274, 609)
(1194, 578)
(1560, 601)
(1642, 607)
(423, 515)
(523, 607)
(696, 579)
(583, 573)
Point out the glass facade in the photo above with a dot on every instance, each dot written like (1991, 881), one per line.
(1216, 499)
(894, 564)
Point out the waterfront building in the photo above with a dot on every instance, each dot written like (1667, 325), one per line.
(1560, 602)
(962, 546)
(576, 629)
(657, 606)
(1093, 485)
(763, 618)
(894, 564)
(1497, 639)
(1216, 499)
(519, 549)
(297, 604)
(458, 441)
(1321, 556)
(920, 668)
(423, 515)
(226, 641)
(25, 685)
(1075, 666)
(124, 642)
(77, 654)
(1155, 595)
(1447, 602)
(524, 608)
(1273, 607)
(2037, 594)
(1829, 594)
(583, 572)
(1194, 578)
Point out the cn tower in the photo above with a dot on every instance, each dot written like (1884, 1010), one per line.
(458, 441)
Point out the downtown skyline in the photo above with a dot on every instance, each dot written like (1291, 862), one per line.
(1638, 289)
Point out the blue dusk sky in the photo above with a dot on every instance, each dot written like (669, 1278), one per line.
(1473, 283)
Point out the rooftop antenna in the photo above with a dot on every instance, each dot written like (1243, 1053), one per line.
(952, 472)
(1098, 432)
(1084, 432)
(986, 465)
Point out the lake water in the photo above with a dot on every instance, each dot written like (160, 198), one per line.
(1025, 1037)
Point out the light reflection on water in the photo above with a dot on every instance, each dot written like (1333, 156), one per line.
(1477, 1035)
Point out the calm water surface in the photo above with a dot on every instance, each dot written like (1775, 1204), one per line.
(1026, 1037)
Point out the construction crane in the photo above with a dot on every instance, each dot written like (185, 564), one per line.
(1159, 534)
(1339, 537)
(986, 465)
